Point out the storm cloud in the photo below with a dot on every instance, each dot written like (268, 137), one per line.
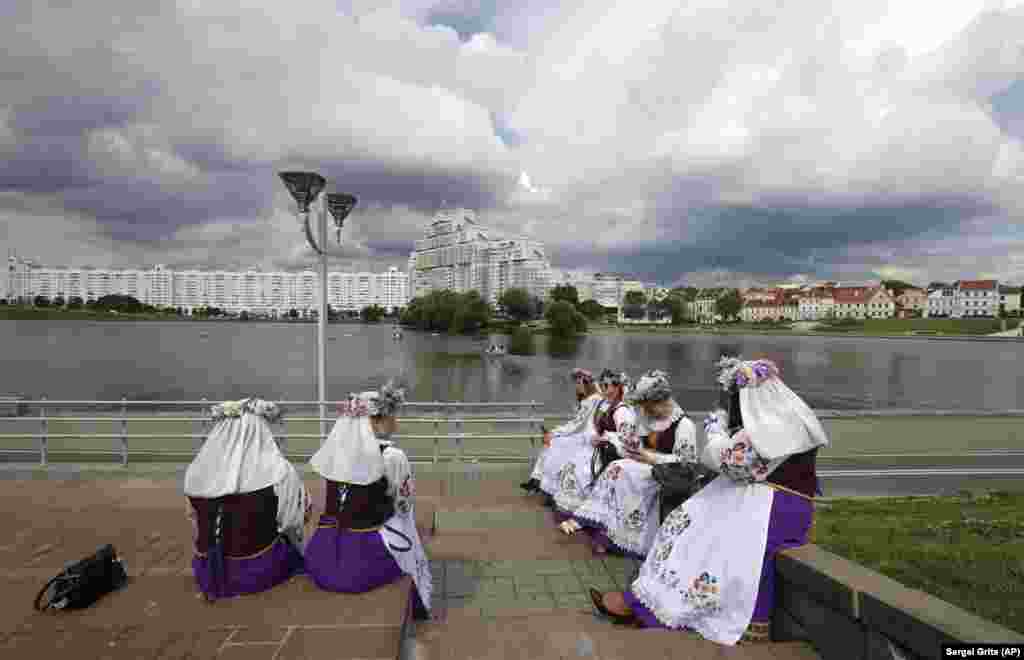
(681, 142)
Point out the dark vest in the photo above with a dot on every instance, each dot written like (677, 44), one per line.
(606, 421)
(798, 472)
(248, 521)
(352, 506)
(665, 441)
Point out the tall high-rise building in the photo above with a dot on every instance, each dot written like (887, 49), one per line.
(458, 253)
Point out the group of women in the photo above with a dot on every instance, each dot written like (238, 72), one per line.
(249, 506)
(708, 560)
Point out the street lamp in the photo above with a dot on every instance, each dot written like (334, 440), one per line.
(305, 187)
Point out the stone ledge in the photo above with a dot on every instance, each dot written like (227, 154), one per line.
(817, 586)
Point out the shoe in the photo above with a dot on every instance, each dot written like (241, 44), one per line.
(531, 486)
(570, 527)
(597, 598)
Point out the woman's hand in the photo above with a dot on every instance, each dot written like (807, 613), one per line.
(642, 456)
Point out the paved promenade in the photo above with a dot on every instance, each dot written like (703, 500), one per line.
(507, 584)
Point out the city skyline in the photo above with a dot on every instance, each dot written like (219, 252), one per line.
(722, 144)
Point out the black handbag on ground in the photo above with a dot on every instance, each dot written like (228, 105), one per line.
(84, 582)
(680, 481)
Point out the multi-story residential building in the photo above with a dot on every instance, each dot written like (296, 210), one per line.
(816, 305)
(610, 289)
(940, 302)
(703, 306)
(758, 310)
(458, 253)
(582, 282)
(976, 298)
(880, 304)
(913, 300)
(1009, 300)
(850, 302)
(251, 291)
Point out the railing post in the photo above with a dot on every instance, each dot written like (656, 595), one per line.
(124, 430)
(42, 437)
(437, 437)
(534, 450)
(459, 451)
(282, 438)
(203, 417)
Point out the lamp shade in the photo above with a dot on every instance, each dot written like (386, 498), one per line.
(304, 187)
(340, 205)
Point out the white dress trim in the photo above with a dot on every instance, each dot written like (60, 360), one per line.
(402, 487)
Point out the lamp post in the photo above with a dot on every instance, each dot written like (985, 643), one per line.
(305, 187)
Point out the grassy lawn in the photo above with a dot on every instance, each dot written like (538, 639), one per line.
(966, 550)
(939, 326)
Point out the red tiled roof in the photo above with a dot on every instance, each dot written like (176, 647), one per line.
(977, 285)
(850, 295)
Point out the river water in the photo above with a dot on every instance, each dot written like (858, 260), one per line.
(183, 360)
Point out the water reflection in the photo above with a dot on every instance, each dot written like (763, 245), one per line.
(146, 361)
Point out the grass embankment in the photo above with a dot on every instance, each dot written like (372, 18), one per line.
(966, 550)
(903, 326)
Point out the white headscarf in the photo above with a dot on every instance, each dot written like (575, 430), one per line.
(351, 454)
(777, 420)
(240, 454)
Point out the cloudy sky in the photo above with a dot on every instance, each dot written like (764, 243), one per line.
(698, 141)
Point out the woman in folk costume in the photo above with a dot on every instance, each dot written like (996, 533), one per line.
(712, 567)
(623, 503)
(247, 504)
(612, 421)
(367, 534)
(562, 443)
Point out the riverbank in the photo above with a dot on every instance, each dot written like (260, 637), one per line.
(12, 313)
(966, 550)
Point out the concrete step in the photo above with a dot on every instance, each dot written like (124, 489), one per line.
(574, 635)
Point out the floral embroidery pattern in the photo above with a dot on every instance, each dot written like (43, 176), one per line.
(407, 489)
(704, 594)
(614, 471)
(342, 496)
(234, 409)
(567, 478)
(635, 520)
(740, 462)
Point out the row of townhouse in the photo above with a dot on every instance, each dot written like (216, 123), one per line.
(256, 292)
(963, 299)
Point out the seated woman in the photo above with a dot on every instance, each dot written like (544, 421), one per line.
(622, 506)
(569, 439)
(367, 534)
(712, 567)
(577, 471)
(247, 504)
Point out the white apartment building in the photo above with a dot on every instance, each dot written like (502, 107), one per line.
(1009, 299)
(458, 253)
(976, 298)
(940, 303)
(268, 293)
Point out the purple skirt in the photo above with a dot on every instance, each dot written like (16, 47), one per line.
(789, 524)
(252, 574)
(349, 562)
(597, 536)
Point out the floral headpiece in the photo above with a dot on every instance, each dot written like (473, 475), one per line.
(384, 402)
(736, 372)
(268, 410)
(609, 377)
(652, 386)
(582, 376)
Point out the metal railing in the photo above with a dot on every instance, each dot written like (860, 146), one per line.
(447, 414)
(121, 414)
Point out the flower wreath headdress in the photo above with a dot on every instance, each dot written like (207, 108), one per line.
(384, 402)
(582, 376)
(268, 410)
(739, 373)
(652, 386)
(609, 377)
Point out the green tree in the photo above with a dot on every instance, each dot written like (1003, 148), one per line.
(634, 305)
(120, 303)
(243, 316)
(3, 302)
(728, 304)
(517, 304)
(447, 311)
(567, 293)
(593, 310)
(897, 286)
(563, 319)
(293, 313)
(372, 314)
(58, 301)
(41, 301)
(521, 342)
(75, 302)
